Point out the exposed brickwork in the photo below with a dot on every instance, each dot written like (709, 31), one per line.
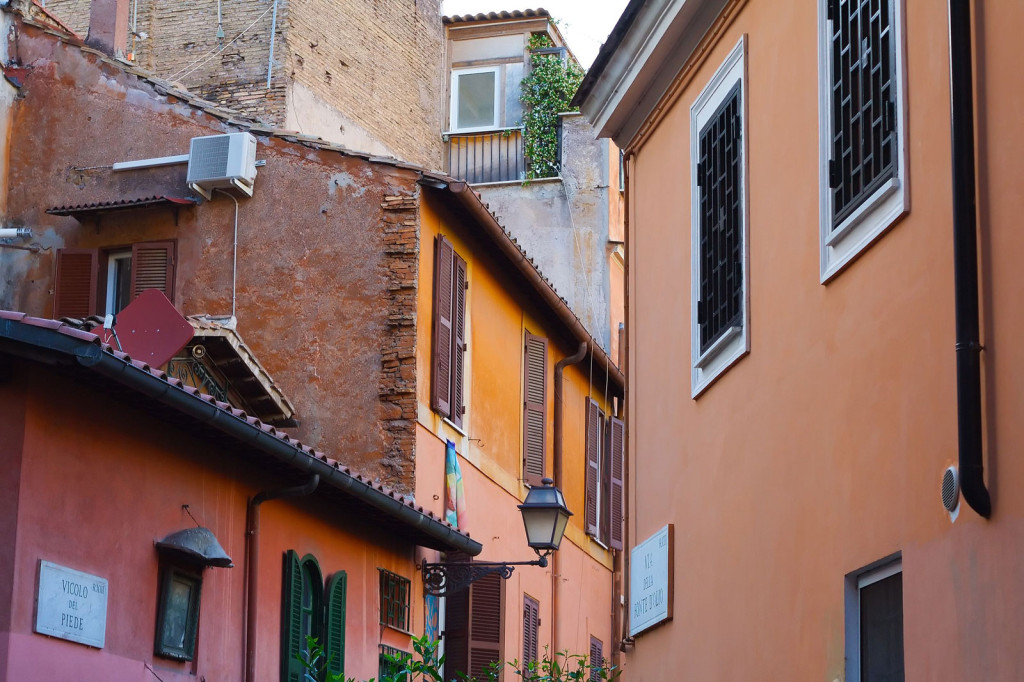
(397, 389)
(380, 63)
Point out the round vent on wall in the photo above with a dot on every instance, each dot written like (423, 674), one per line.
(950, 489)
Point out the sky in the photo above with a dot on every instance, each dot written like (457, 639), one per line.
(585, 24)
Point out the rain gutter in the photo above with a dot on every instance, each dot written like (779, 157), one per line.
(556, 575)
(252, 563)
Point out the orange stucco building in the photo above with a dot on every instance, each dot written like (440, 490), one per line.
(800, 245)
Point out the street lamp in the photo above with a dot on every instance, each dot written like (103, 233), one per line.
(545, 517)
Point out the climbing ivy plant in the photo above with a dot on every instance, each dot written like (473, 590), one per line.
(546, 92)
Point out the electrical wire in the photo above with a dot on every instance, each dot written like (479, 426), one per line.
(187, 70)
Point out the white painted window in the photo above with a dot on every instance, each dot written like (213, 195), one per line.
(862, 107)
(476, 99)
(874, 622)
(119, 280)
(720, 297)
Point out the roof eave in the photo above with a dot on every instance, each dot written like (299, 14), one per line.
(497, 235)
(86, 349)
(640, 61)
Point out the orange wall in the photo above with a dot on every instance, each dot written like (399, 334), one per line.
(98, 488)
(823, 449)
(491, 448)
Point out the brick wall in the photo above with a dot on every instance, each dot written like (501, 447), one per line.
(183, 47)
(380, 63)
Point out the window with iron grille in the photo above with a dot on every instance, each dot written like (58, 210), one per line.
(719, 222)
(719, 171)
(390, 662)
(863, 163)
(394, 600)
(863, 102)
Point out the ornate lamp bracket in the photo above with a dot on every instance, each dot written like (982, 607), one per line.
(444, 579)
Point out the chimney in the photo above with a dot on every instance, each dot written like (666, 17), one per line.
(108, 26)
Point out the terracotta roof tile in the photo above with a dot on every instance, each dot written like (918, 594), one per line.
(495, 16)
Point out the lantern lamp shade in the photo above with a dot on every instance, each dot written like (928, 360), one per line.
(545, 517)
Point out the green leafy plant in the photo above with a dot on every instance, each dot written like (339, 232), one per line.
(425, 666)
(545, 92)
(564, 667)
(316, 661)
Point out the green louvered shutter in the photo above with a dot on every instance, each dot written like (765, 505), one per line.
(291, 626)
(336, 623)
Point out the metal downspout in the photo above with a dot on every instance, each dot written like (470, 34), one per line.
(965, 260)
(556, 470)
(252, 557)
(621, 565)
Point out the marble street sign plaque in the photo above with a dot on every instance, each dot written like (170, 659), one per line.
(71, 605)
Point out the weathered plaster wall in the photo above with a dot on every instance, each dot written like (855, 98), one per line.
(564, 224)
(366, 75)
(75, 495)
(327, 246)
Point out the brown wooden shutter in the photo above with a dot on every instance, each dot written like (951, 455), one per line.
(595, 420)
(76, 279)
(535, 364)
(484, 624)
(458, 403)
(617, 453)
(444, 257)
(456, 626)
(153, 268)
(531, 629)
(596, 658)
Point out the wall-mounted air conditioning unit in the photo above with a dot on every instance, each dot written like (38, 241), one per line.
(218, 161)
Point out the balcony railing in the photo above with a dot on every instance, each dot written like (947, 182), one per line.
(489, 156)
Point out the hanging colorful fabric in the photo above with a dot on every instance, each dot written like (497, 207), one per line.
(454, 493)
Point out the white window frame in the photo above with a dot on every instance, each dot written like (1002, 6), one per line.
(112, 259)
(454, 104)
(888, 203)
(735, 343)
(855, 582)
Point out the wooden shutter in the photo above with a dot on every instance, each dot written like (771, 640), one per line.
(291, 619)
(153, 268)
(444, 258)
(595, 420)
(458, 403)
(76, 278)
(535, 364)
(596, 658)
(531, 629)
(456, 627)
(484, 624)
(335, 644)
(617, 453)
